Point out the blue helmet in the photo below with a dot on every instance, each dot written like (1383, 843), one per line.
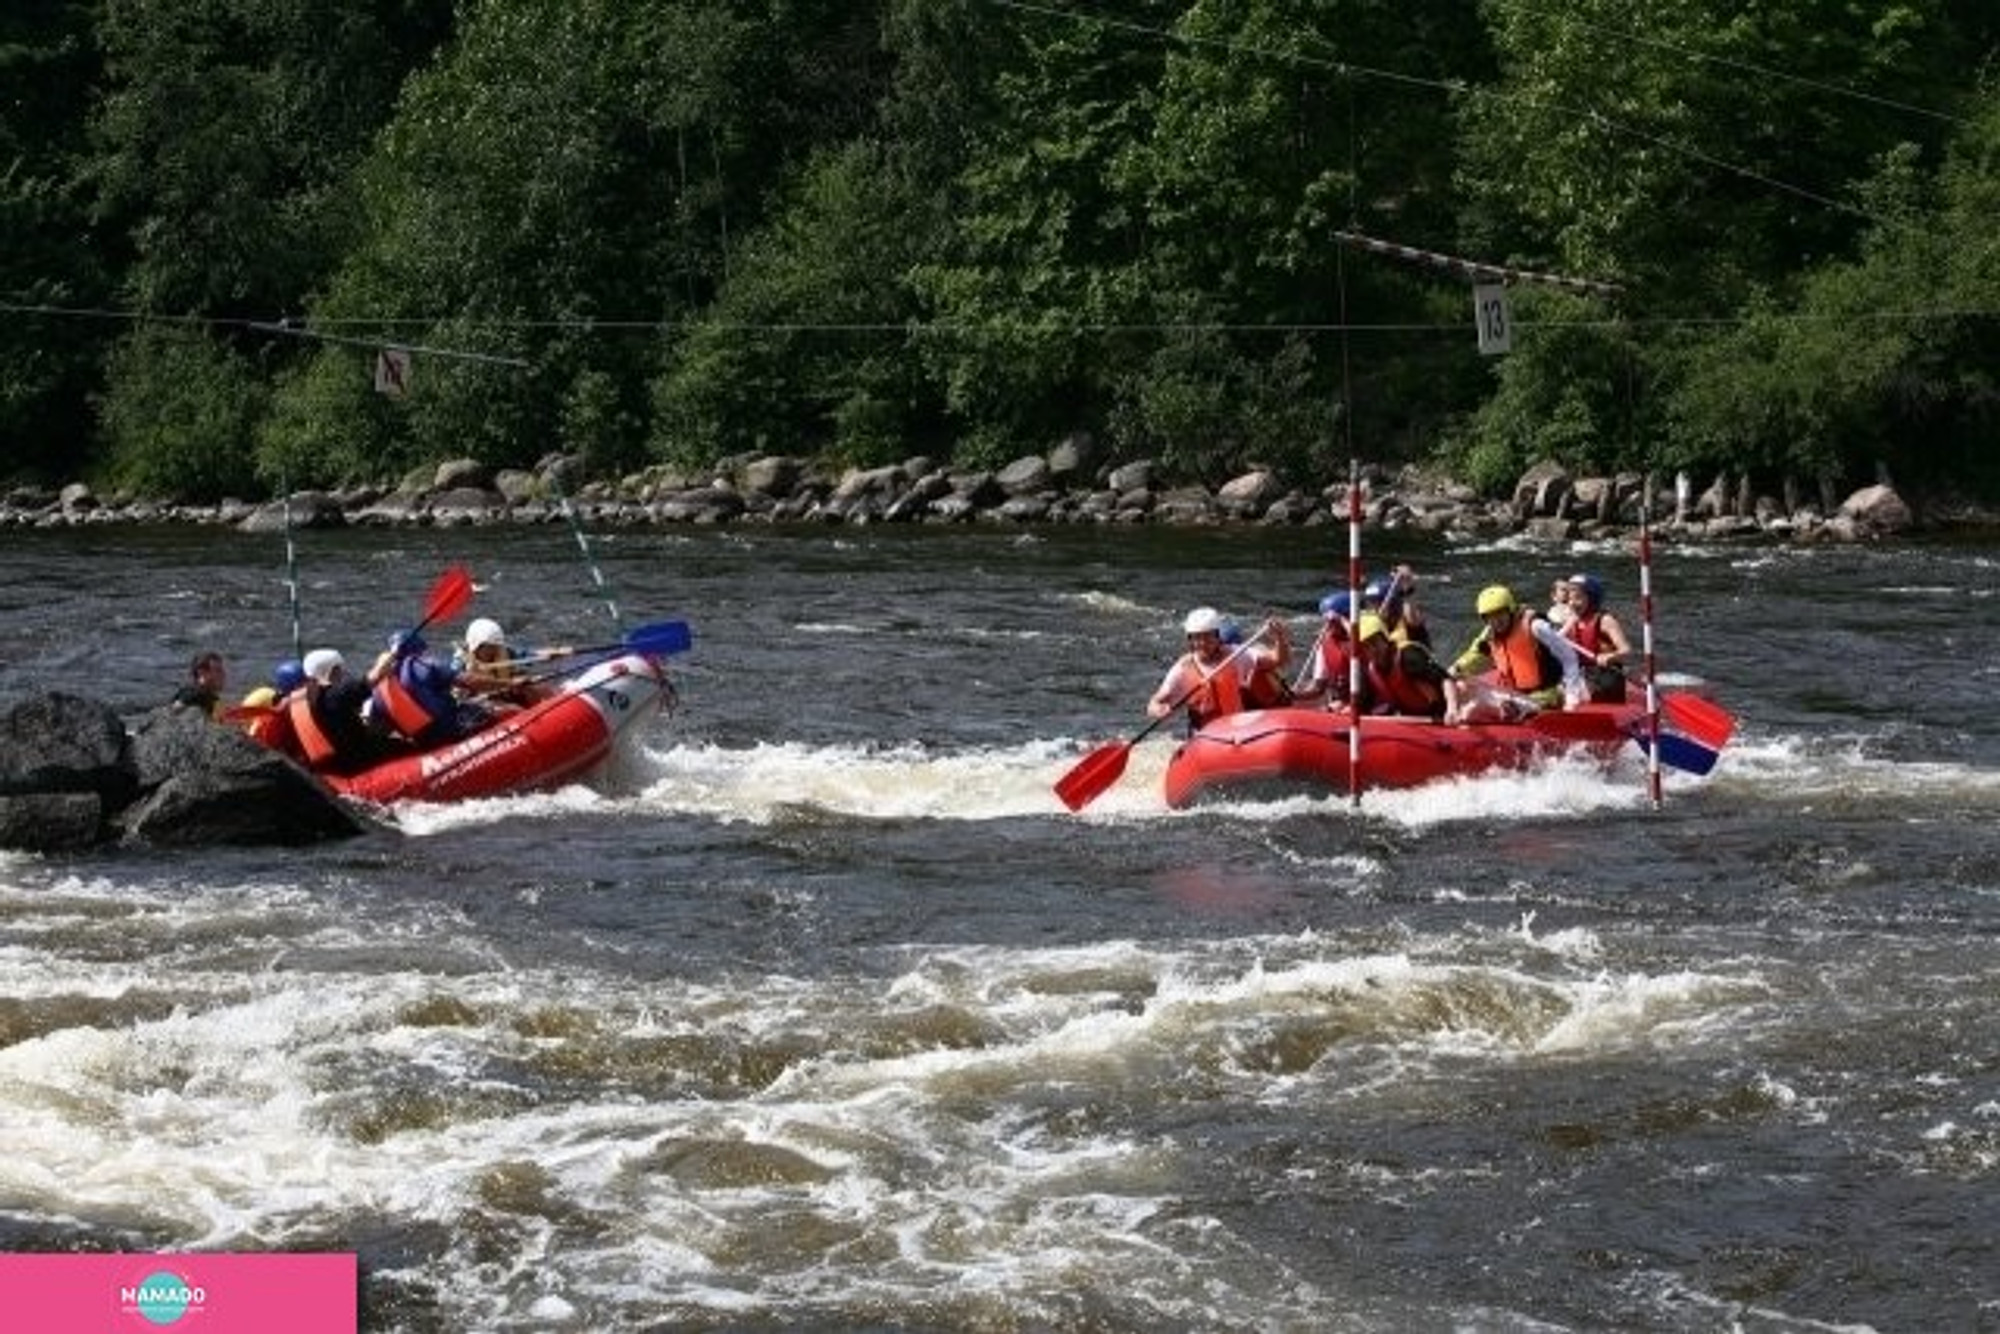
(288, 676)
(1232, 633)
(1372, 595)
(1337, 604)
(1592, 586)
(406, 643)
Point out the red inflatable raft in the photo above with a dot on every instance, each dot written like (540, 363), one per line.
(1282, 752)
(556, 741)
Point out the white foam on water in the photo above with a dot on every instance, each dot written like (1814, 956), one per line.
(914, 780)
(934, 1134)
(1847, 767)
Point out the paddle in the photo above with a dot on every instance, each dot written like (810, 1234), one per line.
(1091, 776)
(1708, 723)
(449, 596)
(1703, 719)
(656, 640)
(1678, 752)
(1708, 727)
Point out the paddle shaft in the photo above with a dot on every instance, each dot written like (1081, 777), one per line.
(1197, 687)
(1091, 776)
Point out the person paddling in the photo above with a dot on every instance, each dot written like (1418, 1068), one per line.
(262, 711)
(414, 692)
(488, 667)
(326, 718)
(1398, 678)
(1209, 693)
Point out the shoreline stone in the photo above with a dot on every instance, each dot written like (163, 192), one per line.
(1546, 504)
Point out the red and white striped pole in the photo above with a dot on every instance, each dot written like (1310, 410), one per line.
(1354, 630)
(1646, 642)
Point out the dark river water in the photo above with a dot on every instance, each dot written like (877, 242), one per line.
(822, 1013)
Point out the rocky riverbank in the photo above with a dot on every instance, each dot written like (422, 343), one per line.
(1064, 486)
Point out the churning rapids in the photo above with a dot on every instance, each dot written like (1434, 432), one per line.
(824, 1014)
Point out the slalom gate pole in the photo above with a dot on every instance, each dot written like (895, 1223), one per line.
(1653, 787)
(292, 572)
(589, 558)
(1354, 631)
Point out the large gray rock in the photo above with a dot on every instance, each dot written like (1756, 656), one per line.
(214, 785)
(72, 776)
(1024, 476)
(1250, 494)
(1074, 460)
(52, 821)
(1543, 491)
(65, 743)
(309, 509)
(1877, 509)
(466, 474)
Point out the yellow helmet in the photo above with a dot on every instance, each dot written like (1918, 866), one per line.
(1495, 597)
(1369, 626)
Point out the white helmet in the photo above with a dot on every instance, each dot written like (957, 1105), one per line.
(1203, 621)
(484, 631)
(321, 663)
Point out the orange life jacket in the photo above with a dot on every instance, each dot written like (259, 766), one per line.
(1217, 697)
(1402, 692)
(313, 741)
(1519, 661)
(405, 712)
(1266, 688)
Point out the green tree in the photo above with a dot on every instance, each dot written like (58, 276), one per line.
(1882, 360)
(180, 413)
(1620, 143)
(220, 143)
(804, 348)
(568, 182)
(48, 360)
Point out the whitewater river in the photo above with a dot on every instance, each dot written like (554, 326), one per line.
(824, 1014)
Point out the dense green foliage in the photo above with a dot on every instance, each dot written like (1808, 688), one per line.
(687, 229)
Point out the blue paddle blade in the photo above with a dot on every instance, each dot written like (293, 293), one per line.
(660, 638)
(1678, 752)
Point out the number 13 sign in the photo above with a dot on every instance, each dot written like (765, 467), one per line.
(1489, 312)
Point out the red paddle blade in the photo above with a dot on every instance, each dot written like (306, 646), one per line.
(449, 595)
(1703, 719)
(1094, 773)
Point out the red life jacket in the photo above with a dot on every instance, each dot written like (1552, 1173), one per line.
(1587, 632)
